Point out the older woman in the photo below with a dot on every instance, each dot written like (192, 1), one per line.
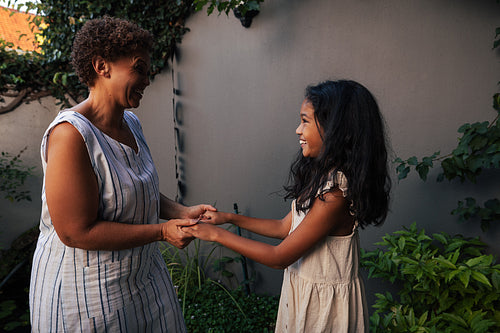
(97, 267)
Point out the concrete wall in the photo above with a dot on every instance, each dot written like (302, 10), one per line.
(19, 129)
(429, 63)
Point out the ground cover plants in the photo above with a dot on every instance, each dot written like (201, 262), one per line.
(209, 304)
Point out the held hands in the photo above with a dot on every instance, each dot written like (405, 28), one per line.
(173, 231)
(203, 231)
(194, 212)
(214, 217)
(206, 228)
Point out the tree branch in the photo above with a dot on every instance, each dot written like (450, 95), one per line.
(14, 103)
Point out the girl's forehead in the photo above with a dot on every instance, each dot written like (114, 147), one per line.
(307, 108)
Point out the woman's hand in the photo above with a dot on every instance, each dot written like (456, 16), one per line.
(203, 231)
(195, 212)
(173, 231)
(216, 218)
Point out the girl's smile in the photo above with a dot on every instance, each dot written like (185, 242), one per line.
(309, 132)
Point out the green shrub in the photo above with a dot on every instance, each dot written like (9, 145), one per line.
(448, 284)
(213, 308)
(208, 305)
(13, 174)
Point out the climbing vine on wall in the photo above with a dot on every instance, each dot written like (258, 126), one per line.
(478, 150)
(29, 75)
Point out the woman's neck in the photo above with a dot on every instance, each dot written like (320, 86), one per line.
(104, 114)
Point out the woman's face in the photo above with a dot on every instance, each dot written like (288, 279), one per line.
(309, 133)
(129, 78)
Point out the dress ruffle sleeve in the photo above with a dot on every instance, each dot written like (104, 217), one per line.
(335, 179)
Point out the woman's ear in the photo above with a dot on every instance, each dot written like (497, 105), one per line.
(101, 66)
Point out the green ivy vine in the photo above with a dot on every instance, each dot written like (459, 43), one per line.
(478, 150)
(30, 75)
(226, 6)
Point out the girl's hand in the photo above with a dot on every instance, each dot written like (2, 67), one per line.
(203, 231)
(194, 212)
(216, 218)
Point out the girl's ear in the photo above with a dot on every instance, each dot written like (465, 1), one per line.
(101, 66)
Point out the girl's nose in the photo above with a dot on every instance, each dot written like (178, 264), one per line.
(298, 131)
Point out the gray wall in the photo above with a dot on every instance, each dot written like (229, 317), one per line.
(20, 129)
(429, 63)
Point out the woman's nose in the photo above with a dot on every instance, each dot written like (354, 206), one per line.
(298, 130)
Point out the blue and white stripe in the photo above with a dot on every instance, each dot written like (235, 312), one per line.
(75, 290)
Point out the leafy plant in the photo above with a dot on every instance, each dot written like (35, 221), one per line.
(478, 149)
(50, 69)
(8, 309)
(15, 270)
(13, 174)
(448, 284)
(187, 270)
(226, 6)
(215, 309)
(209, 306)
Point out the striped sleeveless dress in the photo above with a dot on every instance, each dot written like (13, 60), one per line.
(75, 290)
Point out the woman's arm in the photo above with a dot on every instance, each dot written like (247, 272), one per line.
(327, 217)
(72, 197)
(170, 209)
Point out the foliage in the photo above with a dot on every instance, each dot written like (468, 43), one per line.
(212, 309)
(226, 6)
(187, 268)
(15, 270)
(447, 284)
(50, 69)
(7, 309)
(13, 174)
(207, 305)
(478, 149)
(21, 70)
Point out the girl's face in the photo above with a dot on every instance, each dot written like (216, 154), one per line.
(309, 132)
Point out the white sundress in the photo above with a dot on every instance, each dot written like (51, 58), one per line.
(75, 290)
(322, 291)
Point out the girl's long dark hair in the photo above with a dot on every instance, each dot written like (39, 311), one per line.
(354, 143)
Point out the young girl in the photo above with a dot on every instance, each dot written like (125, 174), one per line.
(338, 182)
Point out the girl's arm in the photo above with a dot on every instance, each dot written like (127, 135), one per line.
(328, 217)
(265, 227)
(72, 198)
